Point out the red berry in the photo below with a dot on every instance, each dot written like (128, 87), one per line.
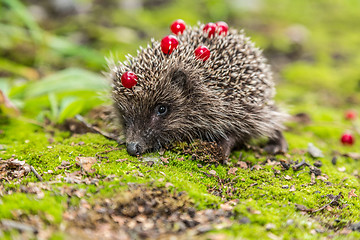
(168, 44)
(222, 28)
(128, 79)
(178, 26)
(350, 115)
(202, 53)
(347, 139)
(210, 29)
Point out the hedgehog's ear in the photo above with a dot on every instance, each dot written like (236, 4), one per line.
(180, 79)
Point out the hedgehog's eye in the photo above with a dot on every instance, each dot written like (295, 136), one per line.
(161, 110)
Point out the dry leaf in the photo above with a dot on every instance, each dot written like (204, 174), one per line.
(314, 151)
(217, 236)
(16, 162)
(164, 160)
(287, 177)
(168, 184)
(329, 208)
(274, 237)
(257, 212)
(272, 163)
(353, 155)
(242, 164)
(257, 167)
(121, 160)
(232, 170)
(86, 162)
(7, 106)
(345, 231)
(302, 208)
(226, 207)
(352, 193)
(269, 226)
(212, 172)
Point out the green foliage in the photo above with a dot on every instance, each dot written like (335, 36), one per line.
(61, 95)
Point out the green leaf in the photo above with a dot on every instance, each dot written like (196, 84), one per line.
(4, 85)
(67, 80)
(69, 108)
(54, 106)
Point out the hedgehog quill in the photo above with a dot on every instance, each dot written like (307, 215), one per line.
(208, 82)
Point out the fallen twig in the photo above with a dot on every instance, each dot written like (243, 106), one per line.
(19, 226)
(310, 210)
(107, 151)
(336, 198)
(36, 174)
(299, 166)
(97, 130)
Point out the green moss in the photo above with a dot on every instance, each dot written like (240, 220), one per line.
(263, 199)
(31, 205)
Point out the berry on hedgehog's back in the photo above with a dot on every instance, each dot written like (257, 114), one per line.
(216, 87)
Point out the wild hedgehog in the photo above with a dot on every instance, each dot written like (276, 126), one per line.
(206, 83)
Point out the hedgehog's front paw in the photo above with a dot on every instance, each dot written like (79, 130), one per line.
(226, 146)
(276, 144)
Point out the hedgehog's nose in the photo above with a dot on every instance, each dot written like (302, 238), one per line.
(133, 148)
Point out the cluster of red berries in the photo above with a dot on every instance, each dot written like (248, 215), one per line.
(169, 44)
(348, 138)
(220, 28)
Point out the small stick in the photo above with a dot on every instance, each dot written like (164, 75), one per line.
(36, 174)
(240, 156)
(337, 197)
(19, 226)
(97, 130)
(107, 151)
(298, 166)
(305, 209)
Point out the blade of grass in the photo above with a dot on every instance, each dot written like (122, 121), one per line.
(54, 106)
(66, 47)
(26, 72)
(26, 17)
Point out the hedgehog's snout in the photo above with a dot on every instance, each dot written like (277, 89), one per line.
(134, 148)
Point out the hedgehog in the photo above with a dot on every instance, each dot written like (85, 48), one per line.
(208, 82)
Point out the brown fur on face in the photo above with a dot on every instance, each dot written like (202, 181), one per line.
(227, 99)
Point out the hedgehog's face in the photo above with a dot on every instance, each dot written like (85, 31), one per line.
(145, 133)
(158, 115)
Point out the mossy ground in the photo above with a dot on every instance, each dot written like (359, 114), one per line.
(317, 73)
(261, 193)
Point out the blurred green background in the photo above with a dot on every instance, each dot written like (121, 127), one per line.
(52, 52)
